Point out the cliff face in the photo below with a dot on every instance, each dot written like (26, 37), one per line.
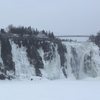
(25, 57)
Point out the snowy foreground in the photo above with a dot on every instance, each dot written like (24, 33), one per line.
(50, 90)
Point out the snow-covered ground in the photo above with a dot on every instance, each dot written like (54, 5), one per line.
(50, 90)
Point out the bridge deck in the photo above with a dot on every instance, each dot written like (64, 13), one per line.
(73, 36)
(43, 39)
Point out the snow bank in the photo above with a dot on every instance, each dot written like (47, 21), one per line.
(50, 90)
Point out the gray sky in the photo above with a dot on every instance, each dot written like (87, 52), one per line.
(59, 16)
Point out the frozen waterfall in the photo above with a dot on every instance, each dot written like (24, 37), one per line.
(82, 60)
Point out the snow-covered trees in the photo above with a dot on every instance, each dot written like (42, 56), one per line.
(95, 39)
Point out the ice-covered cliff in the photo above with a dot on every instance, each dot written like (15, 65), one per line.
(82, 60)
(25, 58)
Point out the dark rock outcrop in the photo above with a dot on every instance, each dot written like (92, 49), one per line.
(6, 55)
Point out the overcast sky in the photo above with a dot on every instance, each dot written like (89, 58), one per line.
(59, 16)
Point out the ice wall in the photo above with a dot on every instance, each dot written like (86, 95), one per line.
(48, 60)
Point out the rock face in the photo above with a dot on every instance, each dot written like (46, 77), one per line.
(25, 57)
(13, 65)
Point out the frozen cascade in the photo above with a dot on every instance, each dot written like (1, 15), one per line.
(52, 69)
(82, 60)
(26, 53)
(23, 69)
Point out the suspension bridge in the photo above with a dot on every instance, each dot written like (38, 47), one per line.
(81, 36)
(63, 38)
(78, 38)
